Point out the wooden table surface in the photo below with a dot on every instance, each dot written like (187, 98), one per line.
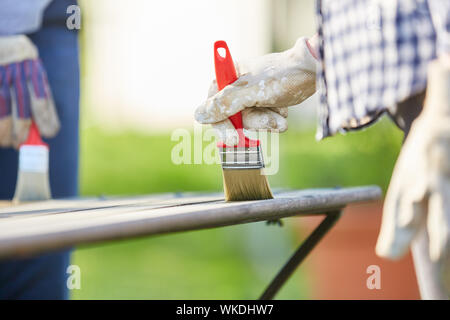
(43, 226)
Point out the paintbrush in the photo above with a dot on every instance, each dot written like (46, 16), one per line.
(242, 164)
(32, 177)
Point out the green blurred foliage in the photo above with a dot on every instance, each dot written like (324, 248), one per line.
(134, 163)
(356, 158)
(225, 263)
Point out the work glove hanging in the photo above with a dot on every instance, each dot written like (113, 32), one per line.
(419, 193)
(264, 90)
(25, 94)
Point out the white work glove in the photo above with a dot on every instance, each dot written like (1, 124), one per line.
(419, 193)
(265, 87)
(24, 92)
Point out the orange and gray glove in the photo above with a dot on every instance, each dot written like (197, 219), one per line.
(24, 92)
(266, 87)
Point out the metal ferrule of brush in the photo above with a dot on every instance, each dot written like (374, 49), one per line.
(241, 158)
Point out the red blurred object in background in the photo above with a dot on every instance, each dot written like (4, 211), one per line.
(337, 267)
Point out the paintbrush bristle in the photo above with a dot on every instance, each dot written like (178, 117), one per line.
(32, 179)
(245, 184)
(32, 186)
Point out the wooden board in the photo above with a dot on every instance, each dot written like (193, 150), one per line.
(39, 227)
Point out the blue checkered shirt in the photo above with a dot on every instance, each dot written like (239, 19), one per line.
(374, 54)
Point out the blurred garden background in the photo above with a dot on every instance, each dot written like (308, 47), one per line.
(145, 67)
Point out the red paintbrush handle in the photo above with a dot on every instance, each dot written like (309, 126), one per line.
(34, 138)
(225, 75)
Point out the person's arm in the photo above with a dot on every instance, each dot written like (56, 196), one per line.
(417, 204)
(418, 198)
(313, 46)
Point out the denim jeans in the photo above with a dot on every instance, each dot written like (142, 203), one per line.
(44, 276)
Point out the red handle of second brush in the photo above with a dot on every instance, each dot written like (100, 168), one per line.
(225, 75)
(34, 138)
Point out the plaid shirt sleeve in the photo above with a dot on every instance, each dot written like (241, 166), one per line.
(373, 54)
(440, 14)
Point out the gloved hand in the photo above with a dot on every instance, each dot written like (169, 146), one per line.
(24, 92)
(265, 88)
(419, 192)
